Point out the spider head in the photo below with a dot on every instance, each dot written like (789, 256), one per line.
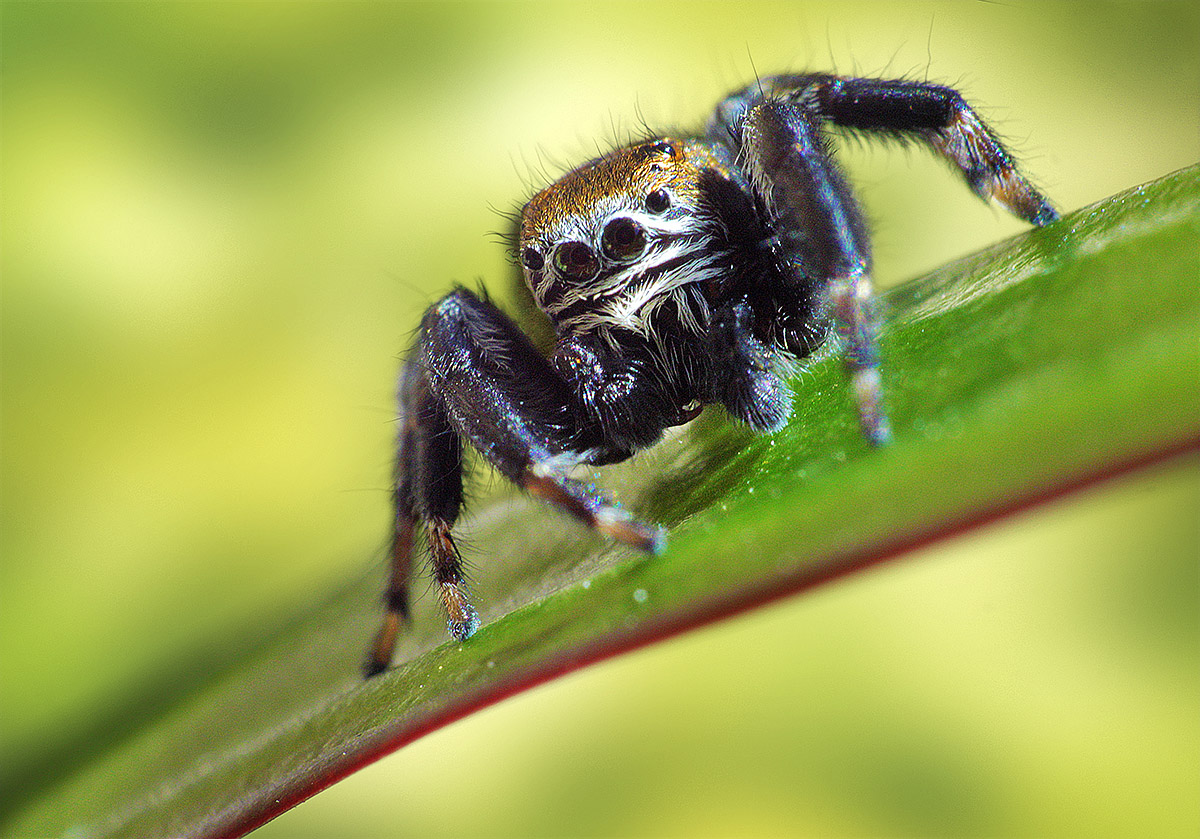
(592, 243)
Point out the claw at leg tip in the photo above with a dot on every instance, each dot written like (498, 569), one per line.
(464, 627)
(373, 668)
(1045, 215)
(879, 434)
(656, 541)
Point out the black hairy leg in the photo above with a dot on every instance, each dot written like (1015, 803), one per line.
(474, 376)
(427, 495)
(820, 237)
(934, 114)
(751, 391)
(819, 231)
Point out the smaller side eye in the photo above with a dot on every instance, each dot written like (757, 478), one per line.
(658, 201)
(576, 260)
(623, 239)
(532, 259)
(658, 148)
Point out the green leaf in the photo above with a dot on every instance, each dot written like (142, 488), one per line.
(1060, 357)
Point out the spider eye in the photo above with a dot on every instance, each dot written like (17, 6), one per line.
(532, 259)
(660, 148)
(658, 201)
(576, 261)
(623, 239)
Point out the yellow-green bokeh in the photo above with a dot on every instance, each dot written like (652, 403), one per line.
(220, 223)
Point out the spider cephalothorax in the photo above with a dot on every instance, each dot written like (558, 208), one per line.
(613, 241)
(676, 272)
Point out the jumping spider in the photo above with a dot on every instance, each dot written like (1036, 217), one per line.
(676, 272)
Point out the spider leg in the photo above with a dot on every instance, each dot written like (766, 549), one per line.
(820, 236)
(428, 492)
(593, 508)
(935, 114)
(475, 376)
(747, 386)
(502, 395)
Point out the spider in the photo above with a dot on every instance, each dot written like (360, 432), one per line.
(676, 272)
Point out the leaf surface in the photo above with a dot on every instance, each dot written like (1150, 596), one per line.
(1060, 357)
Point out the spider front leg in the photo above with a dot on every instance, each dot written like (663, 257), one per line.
(428, 493)
(473, 375)
(746, 385)
(820, 236)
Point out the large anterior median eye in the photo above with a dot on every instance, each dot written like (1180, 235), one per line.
(576, 260)
(623, 240)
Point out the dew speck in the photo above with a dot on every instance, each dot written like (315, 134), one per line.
(491, 664)
(586, 584)
(641, 595)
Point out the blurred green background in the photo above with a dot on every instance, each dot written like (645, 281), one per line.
(220, 224)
